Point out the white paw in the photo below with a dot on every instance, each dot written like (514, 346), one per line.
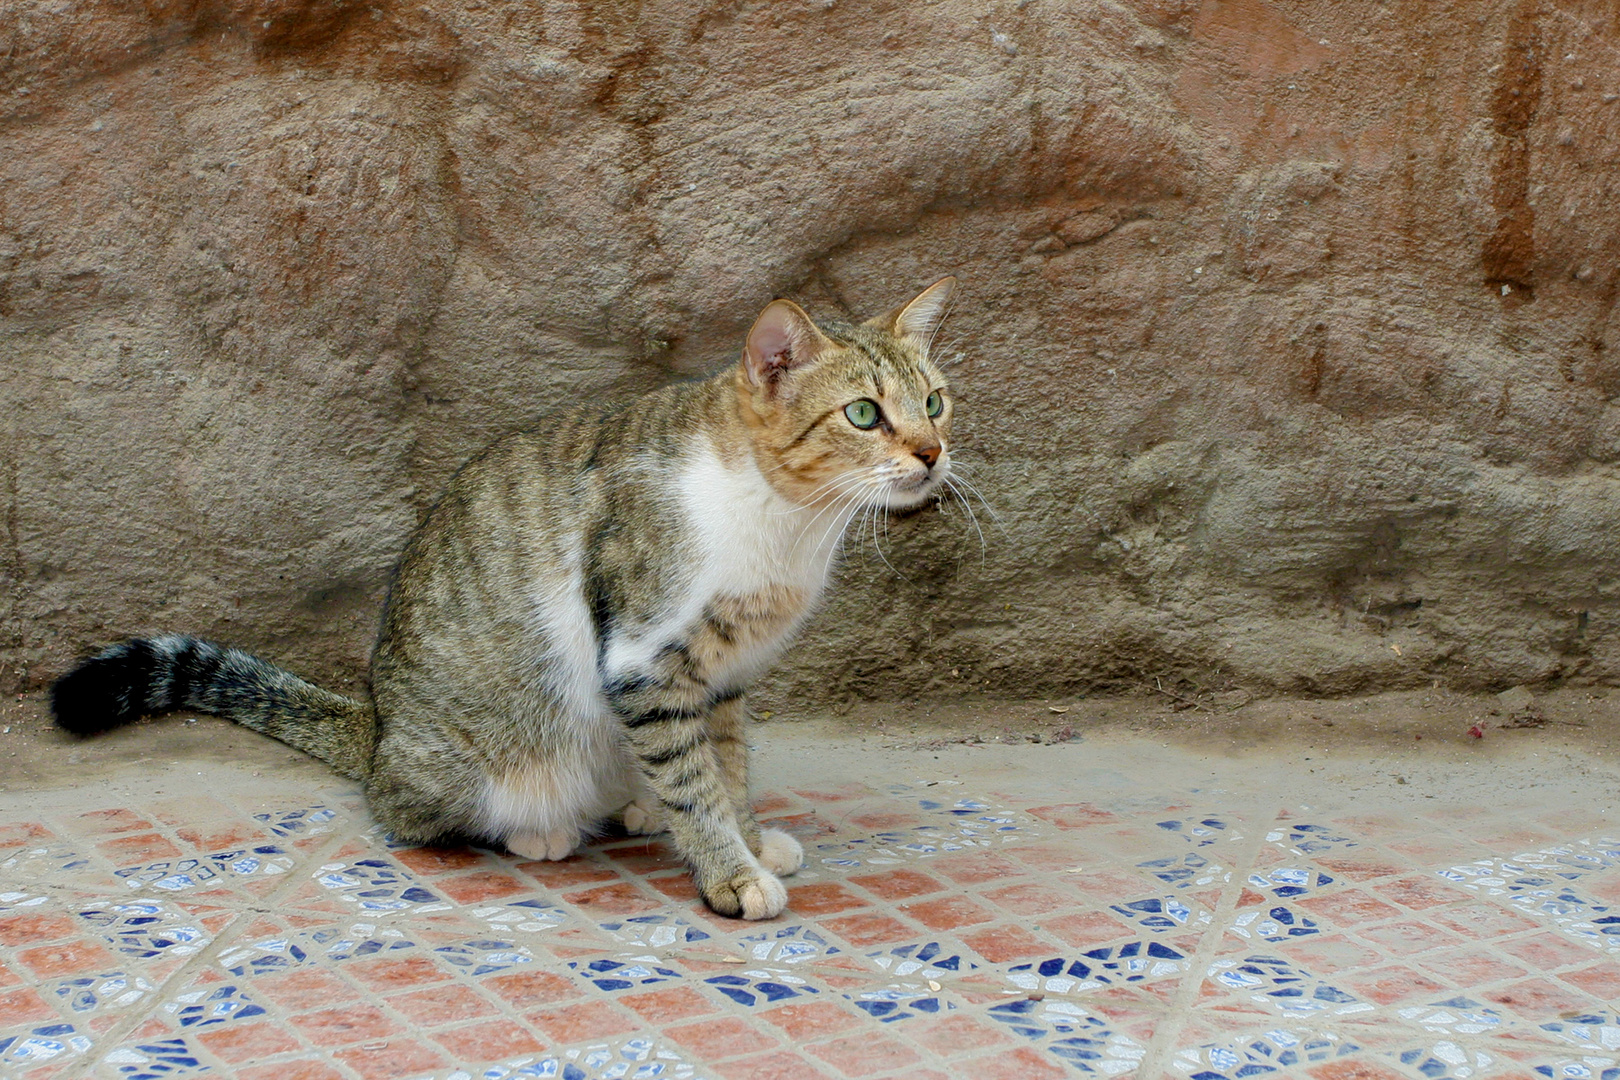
(554, 845)
(640, 820)
(779, 853)
(763, 898)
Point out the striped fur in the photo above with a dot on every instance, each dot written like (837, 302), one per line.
(570, 635)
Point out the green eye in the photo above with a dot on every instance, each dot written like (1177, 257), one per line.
(936, 404)
(863, 413)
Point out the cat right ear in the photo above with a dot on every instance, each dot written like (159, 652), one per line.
(783, 338)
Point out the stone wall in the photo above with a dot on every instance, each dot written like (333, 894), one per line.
(1288, 348)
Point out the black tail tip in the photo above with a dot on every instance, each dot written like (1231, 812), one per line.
(106, 691)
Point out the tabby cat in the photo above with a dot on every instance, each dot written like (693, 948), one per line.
(569, 635)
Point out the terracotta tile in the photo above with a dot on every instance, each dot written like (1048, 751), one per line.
(493, 1040)
(439, 1005)
(772, 802)
(1352, 907)
(644, 856)
(822, 898)
(22, 1006)
(238, 1042)
(1482, 921)
(1354, 1069)
(345, 1025)
(1087, 929)
(67, 958)
(898, 884)
(1074, 815)
(1361, 867)
(948, 912)
(391, 1059)
(1020, 1064)
(37, 928)
(1547, 951)
(108, 822)
(22, 832)
(303, 1069)
(525, 988)
(879, 820)
(976, 867)
(868, 929)
(1540, 999)
(803, 1023)
(138, 849)
(301, 990)
(432, 861)
(1000, 944)
(680, 886)
(955, 1035)
(1328, 954)
(1390, 985)
(620, 899)
(588, 1020)
(1033, 899)
(1418, 891)
(664, 1006)
(1602, 980)
(1408, 937)
(387, 974)
(1055, 858)
(481, 887)
(715, 1040)
(866, 1054)
(1471, 967)
(781, 1065)
(567, 873)
(834, 792)
(918, 1074)
(221, 836)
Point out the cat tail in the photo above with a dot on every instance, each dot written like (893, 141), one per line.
(148, 676)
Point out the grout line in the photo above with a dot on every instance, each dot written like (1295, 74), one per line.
(1166, 1036)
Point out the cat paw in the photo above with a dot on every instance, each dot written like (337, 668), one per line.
(779, 853)
(641, 820)
(554, 845)
(749, 895)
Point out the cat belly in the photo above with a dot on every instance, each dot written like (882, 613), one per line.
(568, 791)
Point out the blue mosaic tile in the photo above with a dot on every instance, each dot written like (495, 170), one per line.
(929, 960)
(761, 986)
(1258, 1055)
(900, 1002)
(1277, 924)
(1187, 870)
(1134, 961)
(175, 875)
(654, 931)
(1444, 1061)
(288, 951)
(633, 1059)
(1544, 895)
(92, 993)
(1285, 883)
(528, 916)
(1071, 1034)
(37, 863)
(212, 1005)
(1304, 839)
(788, 945)
(1278, 984)
(966, 824)
(1596, 1032)
(1202, 831)
(311, 821)
(1454, 1016)
(1574, 861)
(162, 1058)
(146, 928)
(622, 974)
(19, 901)
(379, 887)
(485, 956)
(1586, 1069)
(1161, 913)
(43, 1044)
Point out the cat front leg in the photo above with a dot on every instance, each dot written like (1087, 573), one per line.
(776, 850)
(679, 760)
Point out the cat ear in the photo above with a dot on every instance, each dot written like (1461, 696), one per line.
(920, 318)
(783, 338)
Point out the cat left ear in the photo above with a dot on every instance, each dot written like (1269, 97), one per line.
(783, 338)
(920, 318)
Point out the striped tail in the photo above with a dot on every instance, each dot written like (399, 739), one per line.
(148, 676)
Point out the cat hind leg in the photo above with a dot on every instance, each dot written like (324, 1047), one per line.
(553, 845)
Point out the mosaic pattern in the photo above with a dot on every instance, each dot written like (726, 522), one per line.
(1083, 1041)
(1257, 1055)
(481, 957)
(966, 824)
(312, 821)
(761, 986)
(1202, 832)
(525, 916)
(1544, 895)
(1279, 985)
(1302, 839)
(622, 974)
(1445, 1061)
(1161, 913)
(1595, 1032)
(328, 944)
(1188, 870)
(636, 1059)
(146, 928)
(1455, 1016)
(789, 945)
(378, 887)
(1286, 883)
(1275, 924)
(654, 931)
(42, 1044)
(1134, 961)
(93, 993)
(176, 875)
(199, 1008)
(156, 1060)
(928, 961)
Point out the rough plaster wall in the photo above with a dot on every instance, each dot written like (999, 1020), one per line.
(1287, 337)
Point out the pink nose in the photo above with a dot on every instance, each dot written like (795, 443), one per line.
(928, 454)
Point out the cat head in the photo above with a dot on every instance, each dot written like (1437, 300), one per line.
(840, 412)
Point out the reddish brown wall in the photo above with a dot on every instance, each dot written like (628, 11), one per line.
(1288, 338)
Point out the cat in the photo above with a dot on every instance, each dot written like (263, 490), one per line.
(570, 632)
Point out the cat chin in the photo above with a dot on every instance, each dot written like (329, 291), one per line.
(902, 500)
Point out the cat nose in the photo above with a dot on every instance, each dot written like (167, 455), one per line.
(928, 454)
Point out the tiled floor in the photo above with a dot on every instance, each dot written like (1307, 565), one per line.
(1082, 913)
